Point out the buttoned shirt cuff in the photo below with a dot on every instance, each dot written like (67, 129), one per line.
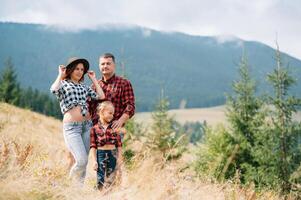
(129, 111)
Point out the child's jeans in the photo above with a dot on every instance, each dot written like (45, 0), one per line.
(121, 136)
(77, 138)
(106, 160)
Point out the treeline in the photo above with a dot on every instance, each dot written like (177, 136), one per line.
(11, 92)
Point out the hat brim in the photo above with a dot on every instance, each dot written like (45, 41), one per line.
(80, 60)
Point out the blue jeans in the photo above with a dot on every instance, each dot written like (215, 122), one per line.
(77, 139)
(106, 160)
(121, 136)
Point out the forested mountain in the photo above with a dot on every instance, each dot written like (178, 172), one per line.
(192, 69)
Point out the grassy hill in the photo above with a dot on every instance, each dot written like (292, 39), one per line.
(33, 166)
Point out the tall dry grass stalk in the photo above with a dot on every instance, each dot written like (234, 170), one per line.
(4, 153)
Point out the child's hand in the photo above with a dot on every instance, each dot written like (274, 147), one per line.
(95, 165)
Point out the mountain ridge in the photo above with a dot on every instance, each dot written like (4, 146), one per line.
(196, 69)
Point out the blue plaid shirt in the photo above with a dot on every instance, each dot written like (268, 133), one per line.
(72, 94)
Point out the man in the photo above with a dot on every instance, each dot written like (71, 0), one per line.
(118, 90)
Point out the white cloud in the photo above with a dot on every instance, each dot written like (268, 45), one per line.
(227, 38)
(146, 32)
(258, 20)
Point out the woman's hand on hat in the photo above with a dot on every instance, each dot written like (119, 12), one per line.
(91, 74)
(62, 70)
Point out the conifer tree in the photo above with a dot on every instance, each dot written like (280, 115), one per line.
(27, 98)
(164, 137)
(162, 125)
(244, 113)
(9, 87)
(285, 132)
(227, 151)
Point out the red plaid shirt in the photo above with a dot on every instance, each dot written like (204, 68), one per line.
(120, 92)
(99, 136)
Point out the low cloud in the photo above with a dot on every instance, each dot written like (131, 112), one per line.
(254, 20)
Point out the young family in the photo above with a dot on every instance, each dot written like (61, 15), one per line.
(94, 116)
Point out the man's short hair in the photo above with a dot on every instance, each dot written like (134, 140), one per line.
(108, 55)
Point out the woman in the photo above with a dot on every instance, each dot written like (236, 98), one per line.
(72, 95)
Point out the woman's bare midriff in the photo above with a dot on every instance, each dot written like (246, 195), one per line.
(107, 147)
(75, 115)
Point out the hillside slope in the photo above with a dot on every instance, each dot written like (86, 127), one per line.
(30, 127)
(33, 166)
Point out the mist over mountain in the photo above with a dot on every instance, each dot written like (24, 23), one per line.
(194, 70)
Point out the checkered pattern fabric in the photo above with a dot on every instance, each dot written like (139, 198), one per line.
(72, 94)
(99, 136)
(120, 92)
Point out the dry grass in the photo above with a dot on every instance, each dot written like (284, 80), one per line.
(212, 116)
(33, 166)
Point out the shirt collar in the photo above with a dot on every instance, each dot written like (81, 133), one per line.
(101, 126)
(110, 80)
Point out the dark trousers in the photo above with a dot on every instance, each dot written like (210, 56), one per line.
(106, 160)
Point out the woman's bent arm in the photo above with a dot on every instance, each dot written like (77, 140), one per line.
(56, 84)
(98, 89)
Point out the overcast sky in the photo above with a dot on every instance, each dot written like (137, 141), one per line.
(259, 20)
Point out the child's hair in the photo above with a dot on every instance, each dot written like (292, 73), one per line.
(103, 105)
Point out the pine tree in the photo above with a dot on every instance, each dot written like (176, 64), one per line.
(164, 137)
(162, 126)
(245, 117)
(227, 151)
(285, 132)
(27, 98)
(9, 87)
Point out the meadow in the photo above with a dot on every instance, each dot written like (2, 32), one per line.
(33, 165)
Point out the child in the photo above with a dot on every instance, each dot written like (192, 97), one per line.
(105, 145)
